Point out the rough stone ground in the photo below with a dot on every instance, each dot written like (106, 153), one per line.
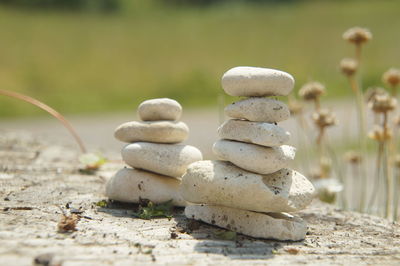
(37, 179)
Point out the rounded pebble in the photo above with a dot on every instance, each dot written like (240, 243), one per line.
(222, 183)
(258, 109)
(256, 81)
(280, 226)
(157, 131)
(166, 159)
(160, 109)
(254, 158)
(131, 185)
(260, 133)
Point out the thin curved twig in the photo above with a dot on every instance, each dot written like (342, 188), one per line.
(49, 110)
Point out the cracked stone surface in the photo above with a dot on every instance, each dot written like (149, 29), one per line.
(39, 178)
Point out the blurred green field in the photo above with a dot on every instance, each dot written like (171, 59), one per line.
(92, 62)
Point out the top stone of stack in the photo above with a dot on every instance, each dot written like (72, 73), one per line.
(246, 81)
(160, 109)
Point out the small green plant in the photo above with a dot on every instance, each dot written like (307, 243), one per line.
(148, 210)
(91, 162)
(102, 203)
(226, 235)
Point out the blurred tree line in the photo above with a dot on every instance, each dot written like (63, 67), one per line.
(115, 5)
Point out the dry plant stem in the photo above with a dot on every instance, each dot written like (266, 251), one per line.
(355, 167)
(358, 53)
(375, 190)
(337, 166)
(317, 104)
(387, 178)
(362, 138)
(387, 175)
(48, 109)
(396, 194)
(302, 124)
(320, 148)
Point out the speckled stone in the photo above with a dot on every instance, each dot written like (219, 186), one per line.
(157, 131)
(222, 183)
(280, 226)
(260, 133)
(130, 185)
(166, 159)
(255, 158)
(256, 81)
(160, 109)
(258, 109)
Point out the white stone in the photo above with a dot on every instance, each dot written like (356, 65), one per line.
(260, 133)
(255, 158)
(130, 185)
(258, 109)
(157, 131)
(256, 81)
(166, 159)
(160, 109)
(280, 226)
(222, 183)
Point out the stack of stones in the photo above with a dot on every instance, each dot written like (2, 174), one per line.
(157, 160)
(251, 189)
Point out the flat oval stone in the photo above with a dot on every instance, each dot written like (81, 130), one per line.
(131, 185)
(159, 109)
(280, 226)
(166, 159)
(254, 158)
(222, 183)
(260, 133)
(258, 109)
(256, 81)
(157, 131)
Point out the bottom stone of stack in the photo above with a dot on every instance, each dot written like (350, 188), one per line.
(280, 226)
(131, 185)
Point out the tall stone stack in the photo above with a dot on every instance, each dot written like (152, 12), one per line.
(157, 159)
(250, 190)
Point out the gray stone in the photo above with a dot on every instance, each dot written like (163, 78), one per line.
(222, 183)
(130, 185)
(166, 159)
(255, 158)
(160, 109)
(258, 109)
(256, 81)
(280, 226)
(158, 131)
(260, 133)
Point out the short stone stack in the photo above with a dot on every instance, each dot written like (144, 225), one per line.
(157, 160)
(251, 189)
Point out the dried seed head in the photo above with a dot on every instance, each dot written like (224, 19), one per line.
(311, 91)
(382, 103)
(372, 92)
(295, 107)
(324, 118)
(392, 77)
(353, 157)
(357, 35)
(380, 134)
(348, 66)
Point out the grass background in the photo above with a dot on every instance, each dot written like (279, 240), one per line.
(82, 61)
